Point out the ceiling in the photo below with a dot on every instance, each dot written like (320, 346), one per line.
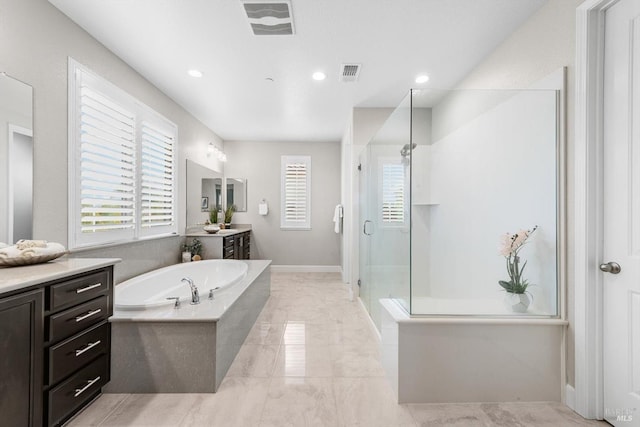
(394, 40)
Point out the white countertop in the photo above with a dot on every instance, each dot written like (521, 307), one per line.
(14, 278)
(221, 233)
(207, 311)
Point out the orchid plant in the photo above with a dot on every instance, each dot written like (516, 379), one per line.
(510, 247)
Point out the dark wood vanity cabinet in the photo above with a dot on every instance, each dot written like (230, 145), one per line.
(55, 347)
(237, 246)
(21, 332)
(77, 342)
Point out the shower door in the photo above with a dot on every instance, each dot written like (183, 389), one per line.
(374, 280)
(385, 222)
(364, 239)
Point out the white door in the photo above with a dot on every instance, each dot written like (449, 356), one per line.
(622, 214)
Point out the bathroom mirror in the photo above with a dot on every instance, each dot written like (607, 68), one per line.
(211, 194)
(204, 191)
(237, 193)
(16, 160)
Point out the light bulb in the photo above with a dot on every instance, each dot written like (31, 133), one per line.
(319, 75)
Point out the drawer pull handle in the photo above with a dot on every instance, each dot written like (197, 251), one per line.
(87, 348)
(79, 391)
(88, 288)
(89, 314)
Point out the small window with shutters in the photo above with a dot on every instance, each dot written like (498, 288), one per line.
(393, 194)
(121, 165)
(295, 213)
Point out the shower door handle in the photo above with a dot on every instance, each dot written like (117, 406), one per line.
(364, 227)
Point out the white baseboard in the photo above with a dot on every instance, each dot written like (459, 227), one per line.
(371, 324)
(306, 269)
(570, 397)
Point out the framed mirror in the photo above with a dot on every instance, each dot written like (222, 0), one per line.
(237, 193)
(204, 191)
(16, 160)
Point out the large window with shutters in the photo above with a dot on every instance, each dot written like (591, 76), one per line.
(122, 155)
(393, 193)
(295, 212)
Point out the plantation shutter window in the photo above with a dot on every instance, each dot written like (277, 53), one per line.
(121, 165)
(393, 190)
(157, 178)
(296, 192)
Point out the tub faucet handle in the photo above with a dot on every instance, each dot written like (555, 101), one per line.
(211, 292)
(177, 304)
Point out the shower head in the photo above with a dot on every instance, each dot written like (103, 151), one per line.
(406, 150)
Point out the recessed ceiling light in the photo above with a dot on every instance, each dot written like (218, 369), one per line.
(319, 75)
(195, 73)
(422, 78)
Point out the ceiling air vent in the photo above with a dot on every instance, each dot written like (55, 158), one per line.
(269, 18)
(349, 72)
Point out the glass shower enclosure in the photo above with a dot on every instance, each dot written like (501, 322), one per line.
(385, 214)
(459, 207)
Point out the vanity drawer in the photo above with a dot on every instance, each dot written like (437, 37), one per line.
(73, 320)
(67, 356)
(229, 253)
(78, 290)
(229, 241)
(77, 390)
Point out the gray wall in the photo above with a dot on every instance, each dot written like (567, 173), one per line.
(35, 41)
(259, 163)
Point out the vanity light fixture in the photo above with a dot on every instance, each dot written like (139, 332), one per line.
(195, 73)
(319, 76)
(215, 151)
(422, 78)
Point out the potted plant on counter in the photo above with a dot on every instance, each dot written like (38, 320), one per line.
(228, 215)
(213, 215)
(194, 248)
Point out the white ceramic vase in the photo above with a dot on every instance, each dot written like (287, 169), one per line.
(516, 303)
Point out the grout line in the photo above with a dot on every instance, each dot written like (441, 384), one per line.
(271, 377)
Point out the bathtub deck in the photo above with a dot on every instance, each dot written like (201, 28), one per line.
(190, 349)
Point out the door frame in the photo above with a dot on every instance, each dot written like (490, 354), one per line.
(12, 130)
(588, 399)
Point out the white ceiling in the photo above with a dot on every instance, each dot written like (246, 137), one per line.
(394, 40)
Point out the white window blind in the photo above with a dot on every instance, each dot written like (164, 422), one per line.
(393, 194)
(296, 192)
(158, 177)
(121, 167)
(107, 163)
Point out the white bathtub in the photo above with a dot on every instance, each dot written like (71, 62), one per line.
(156, 346)
(152, 289)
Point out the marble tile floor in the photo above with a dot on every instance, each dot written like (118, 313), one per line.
(311, 359)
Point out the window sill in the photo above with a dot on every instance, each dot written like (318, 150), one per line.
(121, 243)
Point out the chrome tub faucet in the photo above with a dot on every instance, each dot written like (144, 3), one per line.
(195, 296)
